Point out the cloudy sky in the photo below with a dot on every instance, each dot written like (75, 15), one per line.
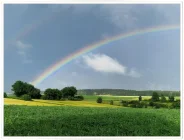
(37, 36)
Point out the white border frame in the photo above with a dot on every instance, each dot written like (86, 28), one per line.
(90, 2)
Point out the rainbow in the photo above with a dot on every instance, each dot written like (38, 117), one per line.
(55, 67)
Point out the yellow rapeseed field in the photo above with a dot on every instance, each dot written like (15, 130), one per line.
(37, 102)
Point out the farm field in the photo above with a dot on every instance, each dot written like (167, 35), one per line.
(89, 121)
(38, 102)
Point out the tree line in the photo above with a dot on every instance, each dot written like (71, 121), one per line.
(124, 92)
(27, 92)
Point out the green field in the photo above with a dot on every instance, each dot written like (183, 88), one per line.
(89, 121)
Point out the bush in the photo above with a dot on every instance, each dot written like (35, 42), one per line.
(140, 105)
(176, 105)
(99, 100)
(140, 98)
(125, 104)
(5, 95)
(79, 97)
(133, 102)
(133, 105)
(26, 97)
(111, 102)
(163, 99)
(171, 98)
(157, 106)
(151, 104)
(155, 97)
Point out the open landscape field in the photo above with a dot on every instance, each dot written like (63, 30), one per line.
(89, 121)
(87, 118)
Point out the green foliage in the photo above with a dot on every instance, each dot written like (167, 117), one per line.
(26, 97)
(5, 95)
(111, 102)
(163, 99)
(99, 100)
(171, 98)
(79, 97)
(125, 104)
(20, 88)
(90, 121)
(176, 104)
(155, 97)
(52, 94)
(151, 104)
(140, 98)
(35, 94)
(44, 97)
(133, 102)
(69, 92)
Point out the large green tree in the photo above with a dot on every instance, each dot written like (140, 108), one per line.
(69, 92)
(20, 88)
(52, 94)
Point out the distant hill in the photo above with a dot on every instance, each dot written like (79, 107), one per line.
(123, 92)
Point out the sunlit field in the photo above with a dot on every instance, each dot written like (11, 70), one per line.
(8, 101)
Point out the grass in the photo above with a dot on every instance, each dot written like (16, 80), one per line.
(89, 121)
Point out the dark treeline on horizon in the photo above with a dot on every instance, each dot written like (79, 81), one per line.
(124, 92)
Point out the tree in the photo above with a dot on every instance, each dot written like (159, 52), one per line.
(69, 92)
(99, 100)
(35, 93)
(140, 98)
(163, 99)
(171, 98)
(5, 95)
(19, 88)
(26, 97)
(155, 97)
(52, 94)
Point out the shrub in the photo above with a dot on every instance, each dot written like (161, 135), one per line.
(44, 97)
(5, 95)
(171, 98)
(140, 105)
(140, 98)
(151, 104)
(125, 104)
(111, 102)
(26, 97)
(176, 105)
(133, 102)
(133, 105)
(157, 106)
(155, 97)
(99, 100)
(163, 99)
(79, 97)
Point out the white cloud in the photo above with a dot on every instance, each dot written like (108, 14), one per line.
(22, 50)
(104, 63)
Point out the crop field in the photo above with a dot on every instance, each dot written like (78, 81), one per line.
(89, 121)
(9, 101)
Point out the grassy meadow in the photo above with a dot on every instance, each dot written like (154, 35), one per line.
(89, 121)
(87, 118)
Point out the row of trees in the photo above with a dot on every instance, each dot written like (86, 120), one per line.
(21, 88)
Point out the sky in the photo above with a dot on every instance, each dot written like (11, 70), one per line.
(37, 36)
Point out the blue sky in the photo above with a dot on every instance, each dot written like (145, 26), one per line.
(37, 36)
